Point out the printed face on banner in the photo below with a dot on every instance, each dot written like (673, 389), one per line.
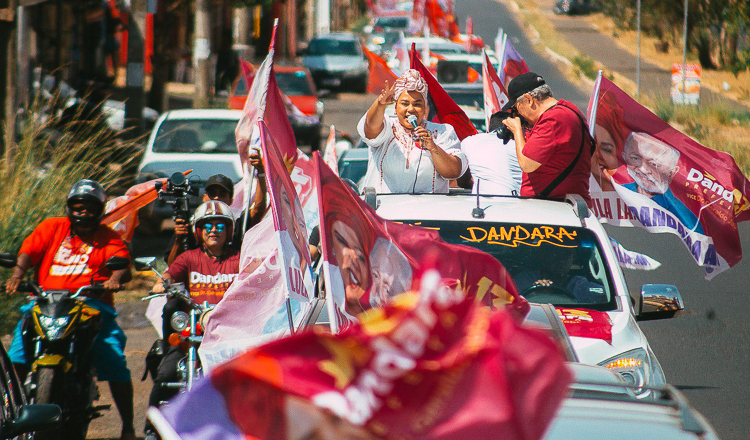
(651, 163)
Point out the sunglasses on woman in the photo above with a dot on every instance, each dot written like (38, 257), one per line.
(220, 227)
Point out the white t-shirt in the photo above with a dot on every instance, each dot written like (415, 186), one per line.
(396, 166)
(495, 164)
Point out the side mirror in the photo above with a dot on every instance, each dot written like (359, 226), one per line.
(117, 263)
(144, 263)
(659, 301)
(7, 260)
(39, 417)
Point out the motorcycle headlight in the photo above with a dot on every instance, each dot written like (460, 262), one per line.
(634, 366)
(179, 321)
(53, 327)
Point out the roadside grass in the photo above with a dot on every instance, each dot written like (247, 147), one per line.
(47, 159)
(712, 126)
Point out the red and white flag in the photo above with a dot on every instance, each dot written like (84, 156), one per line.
(495, 95)
(369, 260)
(433, 365)
(442, 107)
(646, 173)
(288, 219)
(511, 63)
(329, 156)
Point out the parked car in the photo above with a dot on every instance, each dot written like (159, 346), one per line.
(561, 242)
(337, 61)
(17, 418)
(198, 139)
(572, 7)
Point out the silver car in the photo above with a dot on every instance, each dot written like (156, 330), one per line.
(337, 61)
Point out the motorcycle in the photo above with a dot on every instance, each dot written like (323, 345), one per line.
(188, 329)
(59, 333)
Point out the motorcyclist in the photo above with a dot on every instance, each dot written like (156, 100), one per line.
(220, 187)
(65, 252)
(206, 273)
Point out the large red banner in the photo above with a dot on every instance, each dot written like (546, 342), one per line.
(646, 173)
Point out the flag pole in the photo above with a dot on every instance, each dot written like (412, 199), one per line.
(289, 314)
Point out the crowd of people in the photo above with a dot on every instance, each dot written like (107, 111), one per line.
(549, 156)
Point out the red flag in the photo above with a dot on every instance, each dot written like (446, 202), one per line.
(379, 73)
(430, 366)
(288, 220)
(417, 18)
(329, 156)
(264, 102)
(512, 63)
(368, 259)
(653, 176)
(442, 108)
(495, 95)
(441, 22)
(121, 213)
(248, 72)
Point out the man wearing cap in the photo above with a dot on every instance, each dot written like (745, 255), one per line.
(220, 187)
(555, 156)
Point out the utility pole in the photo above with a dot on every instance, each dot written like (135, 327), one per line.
(8, 75)
(638, 63)
(242, 28)
(135, 71)
(684, 50)
(202, 53)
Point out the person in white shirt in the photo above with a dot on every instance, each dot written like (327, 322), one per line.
(493, 164)
(405, 159)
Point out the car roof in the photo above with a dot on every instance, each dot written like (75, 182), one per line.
(203, 113)
(459, 207)
(469, 87)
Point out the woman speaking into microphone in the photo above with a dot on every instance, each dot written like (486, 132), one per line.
(407, 153)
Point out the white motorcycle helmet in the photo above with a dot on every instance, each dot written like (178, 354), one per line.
(213, 209)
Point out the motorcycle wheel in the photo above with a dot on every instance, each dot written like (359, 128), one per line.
(50, 390)
(48, 386)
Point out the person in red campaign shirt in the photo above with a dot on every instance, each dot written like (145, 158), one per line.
(555, 156)
(206, 272)
(67, 252)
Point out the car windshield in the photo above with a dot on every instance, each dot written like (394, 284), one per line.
(471, 98)
(196, 136)
(323, 46)
(294, 83)
(559, 265)
(352, 169)
(392, 22)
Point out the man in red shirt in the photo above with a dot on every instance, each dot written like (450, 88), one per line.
(555, 156)
(66, 253)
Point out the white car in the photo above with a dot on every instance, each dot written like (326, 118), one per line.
(557, 253)
(201, 140)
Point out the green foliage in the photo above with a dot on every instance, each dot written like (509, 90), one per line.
(664, 110)
(586, 66)
(361, 22)
(47, 160)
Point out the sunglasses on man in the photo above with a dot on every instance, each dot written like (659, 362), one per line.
(219, 226)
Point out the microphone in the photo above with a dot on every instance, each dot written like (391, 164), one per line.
(412, 120)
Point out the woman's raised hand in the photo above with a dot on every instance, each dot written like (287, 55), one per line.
(386, 95)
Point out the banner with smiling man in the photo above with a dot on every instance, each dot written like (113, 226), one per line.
(646, 173)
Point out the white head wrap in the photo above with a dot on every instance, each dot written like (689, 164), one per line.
(411, 81)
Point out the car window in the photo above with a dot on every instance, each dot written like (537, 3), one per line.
(569, 259)
(294, 83)
(467, 97)
(392, 22)
(322, 46)
(196, 136)
(353, 169)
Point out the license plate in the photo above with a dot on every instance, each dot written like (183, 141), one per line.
(332, 82)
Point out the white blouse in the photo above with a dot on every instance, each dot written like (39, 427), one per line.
(397, 165)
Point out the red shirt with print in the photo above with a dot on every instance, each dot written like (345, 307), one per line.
(206, 278)
(65, 261)
(554, 142)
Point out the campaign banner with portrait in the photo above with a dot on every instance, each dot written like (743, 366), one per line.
(646, 173)
(687, 90)
(253, 310)
(368, 260)
(495, 95)
(433, 365)
(303, 177)
(288, 220)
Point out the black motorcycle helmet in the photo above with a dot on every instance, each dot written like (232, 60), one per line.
(91, 192)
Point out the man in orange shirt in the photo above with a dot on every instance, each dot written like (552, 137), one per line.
(66, 253)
